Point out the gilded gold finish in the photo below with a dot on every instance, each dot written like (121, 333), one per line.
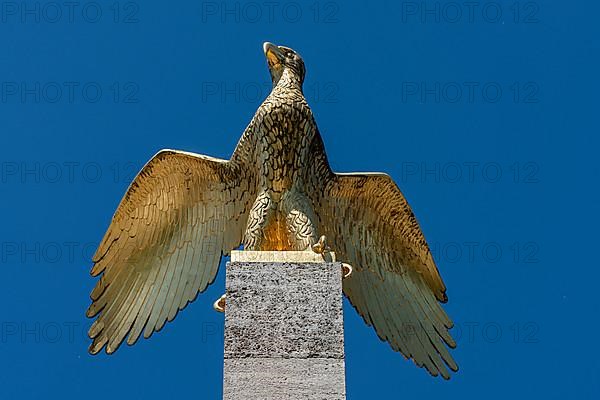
(321, 246)
(219, 305)
(346, 270)
(277, 192)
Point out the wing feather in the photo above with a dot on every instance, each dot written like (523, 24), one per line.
(164, 244)
(395, 285)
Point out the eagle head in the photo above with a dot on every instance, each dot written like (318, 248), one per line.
(283, 60)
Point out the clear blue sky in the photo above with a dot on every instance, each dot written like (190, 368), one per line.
(485, 115)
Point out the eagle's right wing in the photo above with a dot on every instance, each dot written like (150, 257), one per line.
(163, 246)
(395, 285)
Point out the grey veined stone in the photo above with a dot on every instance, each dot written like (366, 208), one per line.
(284, 331)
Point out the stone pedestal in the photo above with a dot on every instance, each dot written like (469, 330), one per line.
(284, 332)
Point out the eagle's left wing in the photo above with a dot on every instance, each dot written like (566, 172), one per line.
(180, 214)
(395, 285)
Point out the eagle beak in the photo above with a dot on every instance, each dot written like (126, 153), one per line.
(274, 55)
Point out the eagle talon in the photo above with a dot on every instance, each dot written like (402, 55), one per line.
(346, 270)
(219, 305)
(321, 247)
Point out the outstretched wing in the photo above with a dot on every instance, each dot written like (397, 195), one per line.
(395, 285)
(163, 246)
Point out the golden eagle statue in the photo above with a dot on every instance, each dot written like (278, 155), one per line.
(183, 211)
